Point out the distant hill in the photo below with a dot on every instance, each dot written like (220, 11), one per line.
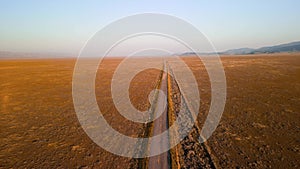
(238, 51)
(288, 47)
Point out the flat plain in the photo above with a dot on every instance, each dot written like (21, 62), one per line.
(260, 126)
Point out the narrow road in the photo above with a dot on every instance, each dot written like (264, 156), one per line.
(161, 161)
(200, 154)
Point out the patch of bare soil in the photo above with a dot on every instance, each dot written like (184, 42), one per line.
(39, 126)
(260, 126)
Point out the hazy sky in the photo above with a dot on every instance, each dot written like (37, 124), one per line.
(64, 26)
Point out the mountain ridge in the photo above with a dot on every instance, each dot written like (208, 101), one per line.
(286, 47)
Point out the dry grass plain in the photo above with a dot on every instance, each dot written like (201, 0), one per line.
(260, 126)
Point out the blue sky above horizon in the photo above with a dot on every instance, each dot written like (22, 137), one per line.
(64, 26)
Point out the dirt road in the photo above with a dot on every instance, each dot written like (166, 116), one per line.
(160, 125)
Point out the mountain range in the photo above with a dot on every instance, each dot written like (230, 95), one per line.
(287, 47)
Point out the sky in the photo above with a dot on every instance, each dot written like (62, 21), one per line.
(65, 26)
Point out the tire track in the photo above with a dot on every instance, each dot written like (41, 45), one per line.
(160, 125)
(189, 153)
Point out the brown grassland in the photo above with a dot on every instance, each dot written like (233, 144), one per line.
(260, 126)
